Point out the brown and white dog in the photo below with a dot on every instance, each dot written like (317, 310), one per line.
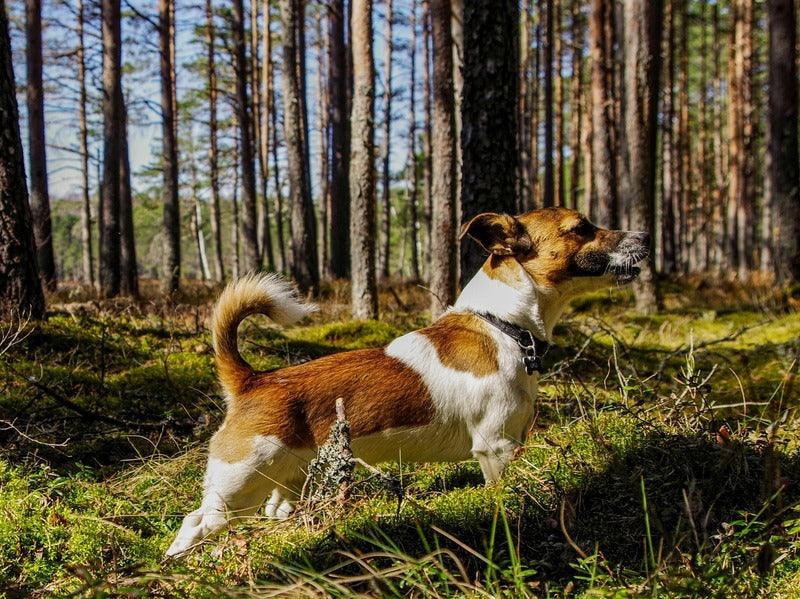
(454, 390)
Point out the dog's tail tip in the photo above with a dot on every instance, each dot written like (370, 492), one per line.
(255, 293)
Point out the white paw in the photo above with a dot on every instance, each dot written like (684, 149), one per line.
(284, 510)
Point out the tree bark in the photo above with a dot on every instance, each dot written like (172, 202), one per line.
(535, 108)
(548, 197)
(427, 139)
(386, 146)
(489, 116)
(604, 123)
(261, 122)
(276, 174)
(643, 21)
(575, 107)
(20, 288)
(169, 158)
(340, 143)
(686, 207)
(87, 258)
(39, 197)
(112, 120)
(197, 217)
(129, 277)
(213, 153)
(523, 109)
(668, 215)
(719, 192)
(741, 209)
(411, 163)
(558, 52)
(362, 174)
(444, 267)
(784, 172)
(236, 266)
(323, 114)
(305, 268)
(252, 255)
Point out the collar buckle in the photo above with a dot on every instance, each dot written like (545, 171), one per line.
(529, 344)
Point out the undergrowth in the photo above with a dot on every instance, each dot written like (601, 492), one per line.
(663, 461)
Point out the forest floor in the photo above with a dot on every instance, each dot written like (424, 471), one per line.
(665, 459)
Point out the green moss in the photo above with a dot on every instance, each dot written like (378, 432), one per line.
(104, 507)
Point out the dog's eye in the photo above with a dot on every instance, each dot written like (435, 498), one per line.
(584, 228)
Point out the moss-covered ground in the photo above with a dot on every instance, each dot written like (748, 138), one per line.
(664, 460)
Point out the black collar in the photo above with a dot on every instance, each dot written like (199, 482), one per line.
(532, 347)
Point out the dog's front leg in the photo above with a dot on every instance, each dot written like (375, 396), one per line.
(493, 454)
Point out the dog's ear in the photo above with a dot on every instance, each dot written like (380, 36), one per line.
(498, 234)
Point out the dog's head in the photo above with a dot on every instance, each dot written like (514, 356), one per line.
(559, 248)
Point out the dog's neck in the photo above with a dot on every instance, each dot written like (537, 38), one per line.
(511, 294)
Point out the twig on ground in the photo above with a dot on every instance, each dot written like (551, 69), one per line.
(86, 413)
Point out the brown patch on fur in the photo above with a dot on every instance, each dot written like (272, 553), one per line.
(462, 343)
(297, 404)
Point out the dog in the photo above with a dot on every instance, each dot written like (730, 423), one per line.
(462, 388)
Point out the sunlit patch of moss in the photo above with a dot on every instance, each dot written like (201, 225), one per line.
(349, 335)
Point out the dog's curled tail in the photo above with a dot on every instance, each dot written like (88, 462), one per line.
(262, 293)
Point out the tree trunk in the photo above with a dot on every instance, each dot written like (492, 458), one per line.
(668, 215)
(686, 209)
(252, 256)
(784, 172)
(457, 37)
(489, 116)
(216, 219)
(20, 289)
(702, 162)
(323, 113)
(39, 197)
(719, 196)
(386, 147)
(604, 123)
(523, 110)
(261, 122)
(87, 258)
(444, 266)
(534, 198)
(112, 130)
(197, 217)
(362, 174)
(428, 134)
(236, 267)
(548, 191)
(129, 277)
(575, 106)
(587, 140)
(741, 209)
(340, 143)
(169, 158)
(411, 163)
(643, 20)
(558, 190)
(305, 268)
(276, 174)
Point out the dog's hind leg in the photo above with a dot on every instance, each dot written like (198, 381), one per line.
(235, 490)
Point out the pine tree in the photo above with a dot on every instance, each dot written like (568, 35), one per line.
(20, 289)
